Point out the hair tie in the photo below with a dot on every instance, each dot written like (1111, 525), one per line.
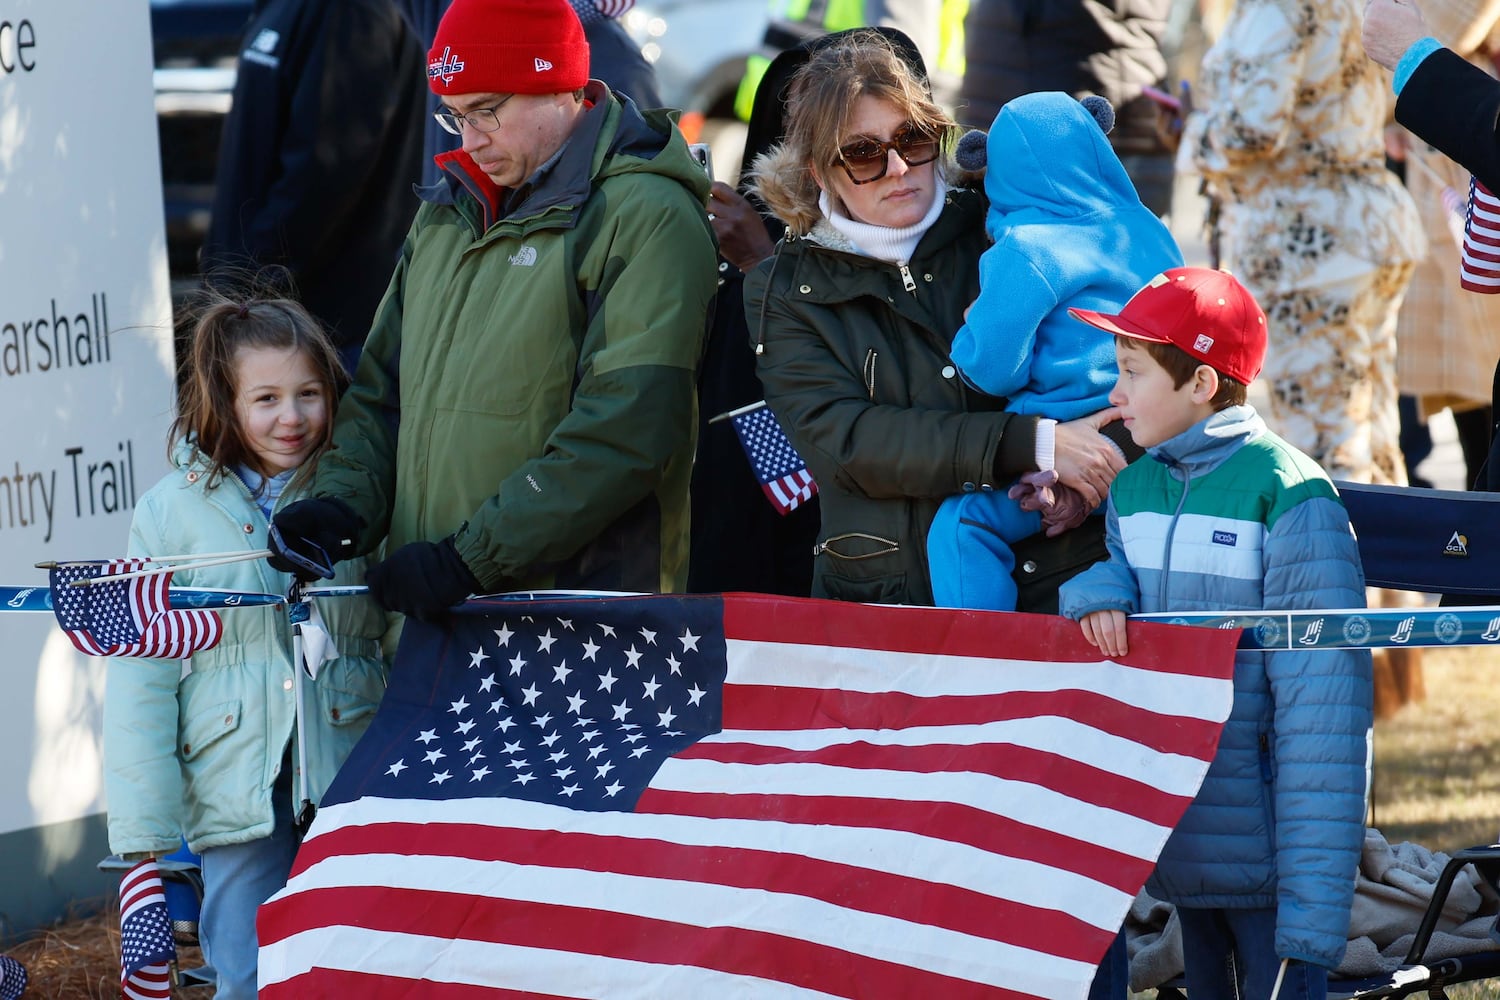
(244, 312)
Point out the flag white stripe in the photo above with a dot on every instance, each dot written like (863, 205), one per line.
(777, 486)
(1174, 774)
(875, 671)
(704, 904)
(1017, 800)
(895, 852)
(408, 956)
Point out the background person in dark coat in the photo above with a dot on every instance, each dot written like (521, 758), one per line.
(1015, 47)
(320, 150)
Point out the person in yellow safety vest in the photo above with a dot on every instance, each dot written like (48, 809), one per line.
(936, 26)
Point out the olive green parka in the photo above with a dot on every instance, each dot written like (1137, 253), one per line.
(528, 386)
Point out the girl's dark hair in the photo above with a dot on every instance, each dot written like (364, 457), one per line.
(1181, 365)
(222, 322)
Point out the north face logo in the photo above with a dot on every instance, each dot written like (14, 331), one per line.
(524, 257)
(542, 65)
(266, 41)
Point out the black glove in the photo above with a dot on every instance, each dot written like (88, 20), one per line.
(311, 535)
(421, 579)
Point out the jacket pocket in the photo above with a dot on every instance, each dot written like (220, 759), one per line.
(871, 590)
(208, 727)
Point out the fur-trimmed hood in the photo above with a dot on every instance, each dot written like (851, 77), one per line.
(784, 183)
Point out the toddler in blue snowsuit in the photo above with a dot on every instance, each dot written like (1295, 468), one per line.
(1068, 230)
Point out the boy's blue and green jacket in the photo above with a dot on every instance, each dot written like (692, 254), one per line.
(1229, 517)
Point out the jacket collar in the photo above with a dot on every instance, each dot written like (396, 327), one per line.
(1208, 444)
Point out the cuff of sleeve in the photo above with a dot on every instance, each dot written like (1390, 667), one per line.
(1046, 444)
(1411, 59)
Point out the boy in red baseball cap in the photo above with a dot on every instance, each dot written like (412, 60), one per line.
(1223, 515)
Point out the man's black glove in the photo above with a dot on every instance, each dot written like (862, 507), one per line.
(311, 535)
(421, 579)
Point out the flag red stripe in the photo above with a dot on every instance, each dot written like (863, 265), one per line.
(954, 908)
(778, 708)
(1046, 639)
(582, 930)
(1010, 762)
(370, 986)
(959, 824)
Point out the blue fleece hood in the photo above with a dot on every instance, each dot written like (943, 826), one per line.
(1049, 158)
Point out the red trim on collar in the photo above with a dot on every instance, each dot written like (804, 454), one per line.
(459, 161)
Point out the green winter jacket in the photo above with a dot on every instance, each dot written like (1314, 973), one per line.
(194, 748)
(528, 385)
(856, 367)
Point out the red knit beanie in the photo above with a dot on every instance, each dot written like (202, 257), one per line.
(508, 47)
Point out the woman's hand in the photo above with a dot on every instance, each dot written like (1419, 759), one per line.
(1086, 460)
(1390, 28)
(742, 235)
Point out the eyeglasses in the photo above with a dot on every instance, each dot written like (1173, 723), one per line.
(865, 160)
(483, 119)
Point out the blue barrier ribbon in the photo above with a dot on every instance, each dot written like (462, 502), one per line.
(1355, 628)
(40, 599)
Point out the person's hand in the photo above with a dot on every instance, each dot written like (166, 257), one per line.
(311, 535)
(1105, 630)
(421, 579)
(742, 235)
(1034, 490)
(1391, 26)
(1086, 460)
(1169, 121)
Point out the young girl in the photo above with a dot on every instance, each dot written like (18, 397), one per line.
(205, 747)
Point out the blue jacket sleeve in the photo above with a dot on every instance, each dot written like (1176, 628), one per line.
(994, 348)
(1105, 586)
(1322, 717)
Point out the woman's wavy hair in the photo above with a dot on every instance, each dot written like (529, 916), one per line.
(822, 95)
(224, 316)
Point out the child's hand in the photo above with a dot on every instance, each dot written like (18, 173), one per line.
(1106, 630)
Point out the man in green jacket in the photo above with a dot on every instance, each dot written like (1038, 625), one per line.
(523, 415)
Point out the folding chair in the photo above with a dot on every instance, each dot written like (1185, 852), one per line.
(1435, 542)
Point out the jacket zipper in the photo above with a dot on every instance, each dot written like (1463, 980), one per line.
(1166, 561)
(907, 281)
(870, 358)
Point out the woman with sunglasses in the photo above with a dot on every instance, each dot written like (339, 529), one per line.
(853, 319)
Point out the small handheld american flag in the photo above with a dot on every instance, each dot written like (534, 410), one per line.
(127, 617)
(1479, 268)
(12, 978)
(781, 472)
(147, 950)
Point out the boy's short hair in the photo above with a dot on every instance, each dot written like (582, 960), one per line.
(1180, 365)
(1206, 314)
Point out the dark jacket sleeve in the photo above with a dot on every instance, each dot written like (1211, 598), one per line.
(871, 449)
(1455, 106)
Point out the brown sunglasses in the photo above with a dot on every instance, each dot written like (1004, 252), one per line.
(866, 159)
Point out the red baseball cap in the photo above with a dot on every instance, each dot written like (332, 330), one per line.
(1205, 312)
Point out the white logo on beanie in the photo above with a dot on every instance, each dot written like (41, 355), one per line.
(542, 65)
(444, 68)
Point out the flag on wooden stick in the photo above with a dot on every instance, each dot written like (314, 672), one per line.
(127, 617)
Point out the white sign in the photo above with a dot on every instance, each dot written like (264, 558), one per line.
(85, 361)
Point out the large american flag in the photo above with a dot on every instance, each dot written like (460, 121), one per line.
(147, 950)
(746, 796)
(127, 617)
(778, 468)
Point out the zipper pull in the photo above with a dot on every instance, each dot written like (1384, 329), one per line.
(907, 280)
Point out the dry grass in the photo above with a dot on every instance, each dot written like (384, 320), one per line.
(80, 958)
(1437, 782)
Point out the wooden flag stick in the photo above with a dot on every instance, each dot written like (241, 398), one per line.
(154, 570)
